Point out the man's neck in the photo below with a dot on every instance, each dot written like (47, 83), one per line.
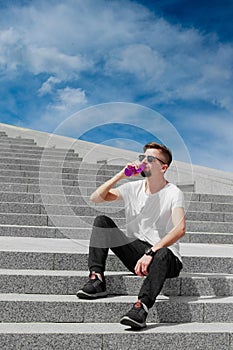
(154, 185)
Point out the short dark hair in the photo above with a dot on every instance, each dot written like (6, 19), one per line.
(164, 150)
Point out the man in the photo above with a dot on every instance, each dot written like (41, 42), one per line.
(155, 221)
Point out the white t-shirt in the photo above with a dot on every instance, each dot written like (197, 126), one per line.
(149, 216)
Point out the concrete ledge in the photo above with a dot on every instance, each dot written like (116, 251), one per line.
(118, 283)
(68, 308)
(85, 233)
(73, 336)
(67, 254)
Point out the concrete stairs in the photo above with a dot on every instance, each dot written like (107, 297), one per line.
(45, 224)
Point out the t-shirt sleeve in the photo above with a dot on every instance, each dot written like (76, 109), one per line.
(178, 200)
(124, 190)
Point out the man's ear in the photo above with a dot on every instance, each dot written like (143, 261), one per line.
(164, 168)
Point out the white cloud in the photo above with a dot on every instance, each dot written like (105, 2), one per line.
(168, 62)
(64, 103)
(48, 85)
(69, 98)
(10, 50)
(52, 61)
(138, 59)
(17, 54)
(126, 49)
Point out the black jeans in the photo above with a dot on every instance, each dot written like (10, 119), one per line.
(106, 234)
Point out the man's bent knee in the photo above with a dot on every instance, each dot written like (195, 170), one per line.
(103, 221)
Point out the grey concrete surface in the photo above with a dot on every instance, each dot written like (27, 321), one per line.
(205, 179)
(118, 283)
(42, 269)
(114, 336)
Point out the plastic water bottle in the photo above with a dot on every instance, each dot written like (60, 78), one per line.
(131, 170)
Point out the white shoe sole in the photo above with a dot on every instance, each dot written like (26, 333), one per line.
(83, 295)
(126, 321)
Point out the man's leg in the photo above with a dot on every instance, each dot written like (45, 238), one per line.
(105, 235)
(98, 252)
(164, 265)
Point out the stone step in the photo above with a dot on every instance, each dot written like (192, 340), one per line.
(80, 173)
(45, 181)
(85, 233)
(34, 188)
(89, 210)
(68, 308)
(51, 199)
(31, 148)
(70, 218)
(42, 156)
(29, 208)
(118, 283)
(24, 219)
(208, 238)
(7, 197)
(33, 168)
(209, 226)
(113, 336)
(63, 167)
(84, 200)
(73, 216)
(21, 147)
(68, 179)
(54, 181)
(70, 222)
(8, 187)
(81, 199)
(57, 181)
(70, 254)
(44, 162)
(16, 140)
(20, 176)
(216, 208)
(89, 186)
(11, 152)
(208, 216)
(218, 198)
(95, 176)
(42, 232)
(68, 209)
(36, 175)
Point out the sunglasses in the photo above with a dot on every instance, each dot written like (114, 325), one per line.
(150, 159)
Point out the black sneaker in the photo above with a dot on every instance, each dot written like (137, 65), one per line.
(136, 317)
(94, 288)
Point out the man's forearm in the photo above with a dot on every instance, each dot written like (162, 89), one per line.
(102, 192)
(171, 237)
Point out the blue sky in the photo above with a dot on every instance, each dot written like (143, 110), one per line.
(173, 56)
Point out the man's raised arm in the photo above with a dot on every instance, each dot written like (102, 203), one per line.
(105, 192)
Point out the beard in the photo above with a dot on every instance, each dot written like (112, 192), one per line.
(146, 173)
